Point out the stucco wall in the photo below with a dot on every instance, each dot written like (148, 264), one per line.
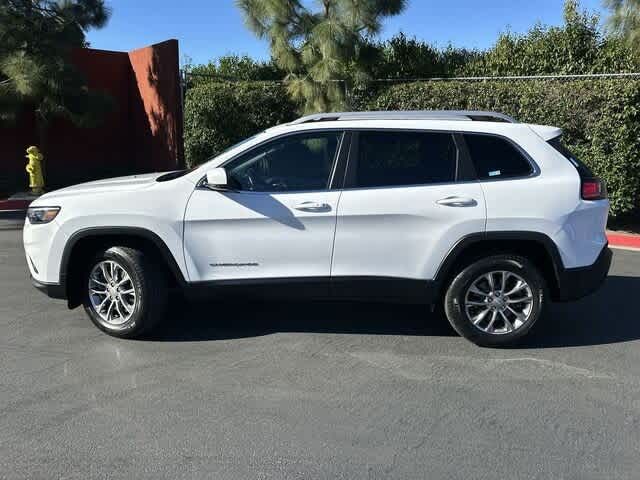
(143, 133)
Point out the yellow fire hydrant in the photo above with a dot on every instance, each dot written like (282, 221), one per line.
(34, 168)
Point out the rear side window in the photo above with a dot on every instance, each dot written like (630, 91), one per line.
(495, 157)
(405, 158)
(583, 170)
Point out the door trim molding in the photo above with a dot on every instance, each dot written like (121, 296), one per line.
(391, 289)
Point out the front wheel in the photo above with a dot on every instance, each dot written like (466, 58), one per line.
(125, 293)
(496, 301)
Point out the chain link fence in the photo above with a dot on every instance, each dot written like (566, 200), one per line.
(189, 79)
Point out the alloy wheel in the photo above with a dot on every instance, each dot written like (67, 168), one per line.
(112, 293)
(499, 302)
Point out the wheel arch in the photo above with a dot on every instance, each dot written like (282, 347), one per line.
(535, 246)
(85, 243)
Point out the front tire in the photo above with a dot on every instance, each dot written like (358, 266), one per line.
(125, 294)
(496, 301)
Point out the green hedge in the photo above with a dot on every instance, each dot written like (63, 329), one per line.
(217, 115)
(600, 118)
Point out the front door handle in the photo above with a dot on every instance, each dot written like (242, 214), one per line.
(455, 201)
(313, 207)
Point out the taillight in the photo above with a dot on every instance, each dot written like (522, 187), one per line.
(593, 189)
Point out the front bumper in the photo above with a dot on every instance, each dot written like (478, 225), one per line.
(52, 290)
(575, 283)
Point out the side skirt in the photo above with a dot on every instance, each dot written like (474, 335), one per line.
(382, 289)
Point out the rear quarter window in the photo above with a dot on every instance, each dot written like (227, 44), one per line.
(583, 170)
(496, 158)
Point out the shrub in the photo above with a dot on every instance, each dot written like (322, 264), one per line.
(231, 68)
(217, 115)
(600, 118)
(578, 46)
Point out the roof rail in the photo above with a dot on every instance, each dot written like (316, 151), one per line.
(462, 115)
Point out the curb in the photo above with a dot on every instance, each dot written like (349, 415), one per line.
(14, 205)
(624, 240)
(14, 208)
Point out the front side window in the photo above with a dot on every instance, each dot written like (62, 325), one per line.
(294, 163)
(389, 158)
(495, 157)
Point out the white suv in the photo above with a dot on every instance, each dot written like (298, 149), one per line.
(491, 218)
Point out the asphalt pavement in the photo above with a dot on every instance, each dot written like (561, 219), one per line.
(317, 390)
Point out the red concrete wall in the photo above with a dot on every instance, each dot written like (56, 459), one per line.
(159, 107)
(143, 133)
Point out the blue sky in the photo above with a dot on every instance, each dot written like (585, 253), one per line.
(208, 29)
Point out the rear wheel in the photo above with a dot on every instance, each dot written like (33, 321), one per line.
(496, 301)
(125, 293)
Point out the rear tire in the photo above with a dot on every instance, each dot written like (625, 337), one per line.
(124, 292)
(496, 301)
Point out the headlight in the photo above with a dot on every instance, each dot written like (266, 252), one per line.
(39, 215)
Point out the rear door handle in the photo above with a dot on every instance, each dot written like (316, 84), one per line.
(455, 201)
(313, 207)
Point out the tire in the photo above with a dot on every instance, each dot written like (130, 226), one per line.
(140, 302)
(470, 298)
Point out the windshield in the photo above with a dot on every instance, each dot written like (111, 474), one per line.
(235, 145)
(181, 173)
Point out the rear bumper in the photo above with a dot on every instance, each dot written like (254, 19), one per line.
(52, 290)
(575, 283)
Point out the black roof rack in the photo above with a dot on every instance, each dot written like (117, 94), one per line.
(460, 115)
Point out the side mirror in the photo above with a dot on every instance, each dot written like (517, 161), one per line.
(217, 179)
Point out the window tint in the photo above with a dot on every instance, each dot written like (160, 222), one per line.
(583, 170)
(405, 158)
(293, 163)
(495, 157)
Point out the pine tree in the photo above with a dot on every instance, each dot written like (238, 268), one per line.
(322, 50)
(625, 20)
(36, 40)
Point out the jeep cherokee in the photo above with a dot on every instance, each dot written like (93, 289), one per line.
(476, 213)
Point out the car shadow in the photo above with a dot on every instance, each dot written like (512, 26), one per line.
(608, 316)
(225, 320)
(268, 206)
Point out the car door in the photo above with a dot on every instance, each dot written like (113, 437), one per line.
(277, 223)
(408, 198)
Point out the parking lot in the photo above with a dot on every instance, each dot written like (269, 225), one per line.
(349, 391)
